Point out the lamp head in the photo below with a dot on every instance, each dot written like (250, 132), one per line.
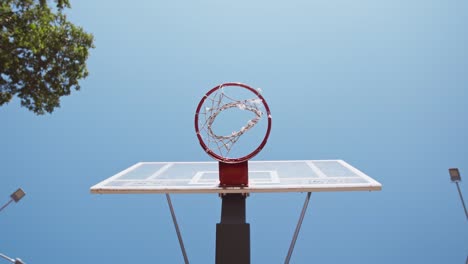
(454, 174)
(16, 196)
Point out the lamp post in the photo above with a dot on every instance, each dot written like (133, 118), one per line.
(16, 196)
(15, 261)
(455, 177)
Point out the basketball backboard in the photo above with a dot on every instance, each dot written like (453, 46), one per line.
(264, 176)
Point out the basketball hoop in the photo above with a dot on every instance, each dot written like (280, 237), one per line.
(232, 124)
(252, 115)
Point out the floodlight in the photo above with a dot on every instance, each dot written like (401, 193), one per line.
(17, 195)
(455, 174)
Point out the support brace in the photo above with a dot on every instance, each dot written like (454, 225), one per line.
(179, 236)
(298, 228)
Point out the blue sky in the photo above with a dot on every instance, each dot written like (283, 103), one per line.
(379, 84)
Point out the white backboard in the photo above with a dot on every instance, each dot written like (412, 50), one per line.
(264, 176)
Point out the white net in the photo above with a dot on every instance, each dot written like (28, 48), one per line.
(249, 113)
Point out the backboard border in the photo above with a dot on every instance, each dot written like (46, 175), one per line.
(372, 184)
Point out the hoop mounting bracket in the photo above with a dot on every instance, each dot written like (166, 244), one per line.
(234, 174)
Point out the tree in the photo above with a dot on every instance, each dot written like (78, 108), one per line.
(42, 55)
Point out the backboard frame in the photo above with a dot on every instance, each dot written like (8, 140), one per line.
(319, 186)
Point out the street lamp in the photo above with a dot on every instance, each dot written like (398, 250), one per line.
(455, 177)
(16, 196)
(15, 261)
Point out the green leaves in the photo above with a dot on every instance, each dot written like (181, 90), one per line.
(42, 55)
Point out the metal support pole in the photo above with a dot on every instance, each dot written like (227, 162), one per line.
(461, 198)
(4, 206)
(233, 233)
(7, 258)
(298, 228)
(14, 261)
(179, 236)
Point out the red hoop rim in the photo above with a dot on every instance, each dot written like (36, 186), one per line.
(211, 152)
